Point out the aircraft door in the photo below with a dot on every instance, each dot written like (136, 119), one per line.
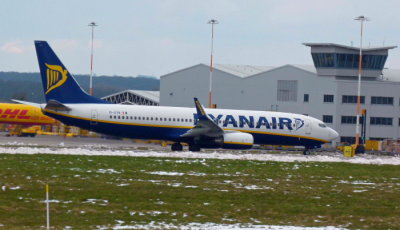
(308, 126)
(94, 117)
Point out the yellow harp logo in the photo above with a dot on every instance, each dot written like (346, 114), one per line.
(56, 76)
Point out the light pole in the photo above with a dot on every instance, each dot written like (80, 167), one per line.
(92, 24)
(212, 22)
(361, 19)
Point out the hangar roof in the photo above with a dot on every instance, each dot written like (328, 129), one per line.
(244, 71)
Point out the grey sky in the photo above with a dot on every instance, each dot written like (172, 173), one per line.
(155, 37)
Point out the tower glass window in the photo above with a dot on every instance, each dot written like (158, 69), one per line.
(348, 61)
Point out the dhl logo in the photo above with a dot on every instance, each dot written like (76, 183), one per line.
(56, 77)
(14, 113)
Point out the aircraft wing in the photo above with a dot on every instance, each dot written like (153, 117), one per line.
(205, 125)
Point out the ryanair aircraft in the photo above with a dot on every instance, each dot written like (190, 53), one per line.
(198, 127)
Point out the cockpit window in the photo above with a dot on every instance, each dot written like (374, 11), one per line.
(322, 125)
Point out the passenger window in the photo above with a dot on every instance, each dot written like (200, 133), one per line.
(169, 119)
(173, 119)
(119, 117)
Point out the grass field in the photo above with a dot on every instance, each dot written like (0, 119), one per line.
(101, 192)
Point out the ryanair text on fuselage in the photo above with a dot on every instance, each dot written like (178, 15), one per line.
(242, 121)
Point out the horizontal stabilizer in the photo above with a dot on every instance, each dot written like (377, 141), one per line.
(27, 103)
(56, 106)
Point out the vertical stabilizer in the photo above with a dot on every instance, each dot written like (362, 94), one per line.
(58, 83)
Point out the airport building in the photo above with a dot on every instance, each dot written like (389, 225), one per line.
(327, 90)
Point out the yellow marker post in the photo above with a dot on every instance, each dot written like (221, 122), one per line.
(47, 207)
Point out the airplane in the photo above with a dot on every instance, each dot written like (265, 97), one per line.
(198, 127)
(25, 115)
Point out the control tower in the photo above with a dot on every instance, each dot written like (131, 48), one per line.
(343, 61)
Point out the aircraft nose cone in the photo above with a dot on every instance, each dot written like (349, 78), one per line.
(333, 134)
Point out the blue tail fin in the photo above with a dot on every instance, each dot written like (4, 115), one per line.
(58, 83)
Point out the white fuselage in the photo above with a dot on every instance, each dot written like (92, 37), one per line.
(169, 123)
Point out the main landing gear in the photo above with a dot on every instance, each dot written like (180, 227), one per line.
(176, 147)
(194, 148)
(310, 149)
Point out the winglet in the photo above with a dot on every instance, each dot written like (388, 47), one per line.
(201, 114)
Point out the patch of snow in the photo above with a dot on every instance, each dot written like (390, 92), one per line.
(214, 226)
(108, 171)
(284, 157)
(15, 188)
(96, 201)
(51, 201)
(122, 185)
(161, 173)
(356, 182)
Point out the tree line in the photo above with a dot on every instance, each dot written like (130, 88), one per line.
(28, 86)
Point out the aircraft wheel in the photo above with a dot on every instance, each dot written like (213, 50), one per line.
(176, 147)
(306, 152)
(194, 148)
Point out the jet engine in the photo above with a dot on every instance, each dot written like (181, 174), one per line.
(237, 140)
